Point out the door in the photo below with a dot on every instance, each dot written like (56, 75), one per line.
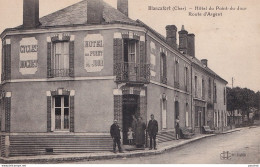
(130, 109)
(200, 123)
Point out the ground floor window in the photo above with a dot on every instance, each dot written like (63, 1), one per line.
(61, 113)
(164, 113)
(187, 115)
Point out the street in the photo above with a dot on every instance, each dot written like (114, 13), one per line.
(241, 147)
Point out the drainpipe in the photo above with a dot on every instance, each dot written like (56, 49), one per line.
(191, 98)
(146, 92)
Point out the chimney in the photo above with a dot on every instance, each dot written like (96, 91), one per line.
(95, 11)
(30, 13)
(205, 62)
(191, 45)
(171, 35)
(183, 40)
(122, 6)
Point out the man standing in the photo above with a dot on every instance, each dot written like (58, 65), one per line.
(115, 134)
(152, 131)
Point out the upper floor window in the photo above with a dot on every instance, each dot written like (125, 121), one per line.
(209, 89)
(61, 59)
(186, 78)
(224, 96)
(215, 93)
(196, 86)
(176, 72)
(203, 89)
(60, 56)
(163, 69)
(130, 47)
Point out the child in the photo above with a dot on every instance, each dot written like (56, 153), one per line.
(130, 136)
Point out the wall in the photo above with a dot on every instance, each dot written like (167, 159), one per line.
(93, 105)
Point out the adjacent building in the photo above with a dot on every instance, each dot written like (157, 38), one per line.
(68, 75)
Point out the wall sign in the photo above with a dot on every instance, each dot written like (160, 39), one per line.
(28, 56)
(94, 52)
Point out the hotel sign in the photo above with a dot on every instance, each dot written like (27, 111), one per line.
(94, 52)
(28, 56)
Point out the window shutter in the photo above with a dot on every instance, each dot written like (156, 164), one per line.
(7, 113)
(144, 67)
(3, 63)
(142, 52)
(8, 62)
(71, 58)
(49, 70)
(118, 56)
(48, 113)
(72, 114)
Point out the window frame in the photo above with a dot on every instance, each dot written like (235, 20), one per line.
(163, 68)
(62, 119)
(65, 70)
(164, 113)
(196, 85)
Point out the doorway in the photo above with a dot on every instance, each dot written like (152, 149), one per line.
(130, 109)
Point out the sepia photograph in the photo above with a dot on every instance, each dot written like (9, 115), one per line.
(129, 82)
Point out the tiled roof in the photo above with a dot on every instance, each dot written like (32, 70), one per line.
(77, 15)
(201, 65)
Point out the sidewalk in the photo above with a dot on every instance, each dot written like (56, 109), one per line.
(162, 147)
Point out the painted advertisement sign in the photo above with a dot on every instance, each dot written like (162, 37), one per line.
(94, 52)
(28, 56)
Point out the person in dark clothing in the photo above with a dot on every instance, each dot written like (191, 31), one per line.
(140, 133)
(152, 131)
(115, 134)
(177, 129)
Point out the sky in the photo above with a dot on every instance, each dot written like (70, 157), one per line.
(230, 42)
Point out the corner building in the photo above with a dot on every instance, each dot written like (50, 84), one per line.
(68, 75)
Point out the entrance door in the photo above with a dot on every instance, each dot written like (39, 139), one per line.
(200, 123)
(130, 109)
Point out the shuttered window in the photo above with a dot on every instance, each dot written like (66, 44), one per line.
(60, 58)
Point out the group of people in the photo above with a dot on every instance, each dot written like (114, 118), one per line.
(136, 133)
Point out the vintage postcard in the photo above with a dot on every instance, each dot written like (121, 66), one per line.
(130, 82)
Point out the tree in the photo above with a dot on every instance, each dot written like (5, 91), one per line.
(242, 99)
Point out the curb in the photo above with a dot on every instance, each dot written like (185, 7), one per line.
(235, 130)
(100, 156)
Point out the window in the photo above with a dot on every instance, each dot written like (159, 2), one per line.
(61, 112)
(132, 49)
(164, 113)
(218, 123)
(61, 59)
(176, 75)
(215, 93)
(203, 89)
(209, 91)
(224, 96)
(215, 118)
(196, 116)
(196, 86)
(187, 115)
(163, 69)
(186, 78)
